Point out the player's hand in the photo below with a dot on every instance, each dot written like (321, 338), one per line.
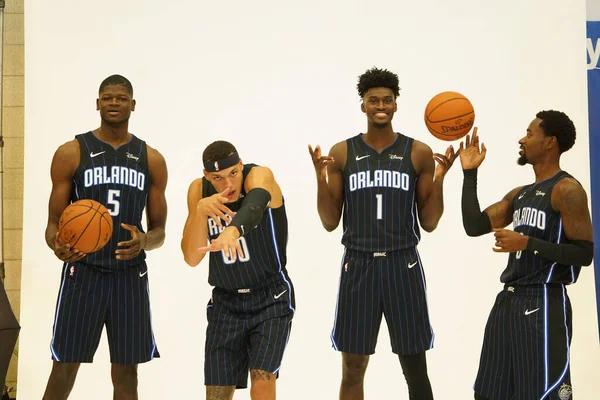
(65, 252)
(470, 154)
(131, 248)
(508, 241)
(320, 162)
(228, 242)
(444, 162)
(215, 208)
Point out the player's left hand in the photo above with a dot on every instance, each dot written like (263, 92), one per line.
(508, 241)
(444, 162)
(131, 247)
(227, 242)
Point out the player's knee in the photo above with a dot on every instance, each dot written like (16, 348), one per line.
(354, 368)
(124, 377)
(64, 372)
(263, 385)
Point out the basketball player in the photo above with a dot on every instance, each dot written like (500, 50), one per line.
(382, 182)
(525, 351)
(240, 210)
(109, 287)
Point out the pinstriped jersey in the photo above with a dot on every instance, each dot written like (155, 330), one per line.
(264, 247)
(534, 216)
(119, 179)
(379, 197)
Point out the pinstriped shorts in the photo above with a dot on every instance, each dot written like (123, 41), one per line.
(247, 329)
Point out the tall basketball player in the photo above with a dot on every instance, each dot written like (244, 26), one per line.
(385, 184)
(237, 215)
(525, 351)
(109, 287)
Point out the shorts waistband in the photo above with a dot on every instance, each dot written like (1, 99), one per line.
(378, 254)
(254, 288)
(533, 289)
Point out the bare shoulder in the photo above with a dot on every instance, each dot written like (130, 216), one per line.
(421, 149)
(568, 194)
(67, 157)
(195, 188)
(154, 156)
(68, 149)
(339, 152)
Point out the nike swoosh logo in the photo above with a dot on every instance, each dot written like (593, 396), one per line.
(143, 273)
(412, 265)
(535, 252)
(92, 154)
(527, 312)
(358, 158)
(521, 196)
(279, 295)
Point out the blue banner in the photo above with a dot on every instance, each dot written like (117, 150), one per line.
(593, 66)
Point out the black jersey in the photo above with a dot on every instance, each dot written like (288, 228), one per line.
(380, 211)
(264, 247)
(534, 216)
(120, 180)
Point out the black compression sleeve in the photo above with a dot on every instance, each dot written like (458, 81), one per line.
(576, 252)
(250, 214)
(475, 222)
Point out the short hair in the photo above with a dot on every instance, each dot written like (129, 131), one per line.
(117, 80)
(558, 124)
(217, 151)
(376, 77)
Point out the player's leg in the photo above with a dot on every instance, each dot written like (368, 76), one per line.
(495, 376)
(357, 319)
(61, 381)
(542, 337)
(406, 313)
(129, 328)
(273, 309)
(414, 368)
(125, 381)
(354, 367)
(219, 392)
(79, 320)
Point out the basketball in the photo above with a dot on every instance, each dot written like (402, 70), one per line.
(449, 116)
(85, 225)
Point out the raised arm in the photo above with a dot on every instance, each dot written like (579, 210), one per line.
(330, 183)
(195, 231)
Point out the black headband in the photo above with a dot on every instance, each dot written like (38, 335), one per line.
(215, 166)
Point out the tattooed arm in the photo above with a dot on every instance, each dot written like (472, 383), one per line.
(219, 392)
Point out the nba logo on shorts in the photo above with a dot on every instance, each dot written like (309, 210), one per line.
(72, 270)
(565, 392)
(216, 165)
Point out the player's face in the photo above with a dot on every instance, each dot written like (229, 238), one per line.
(232, 178)
(533, 144)
(115, 104)
(379, 104)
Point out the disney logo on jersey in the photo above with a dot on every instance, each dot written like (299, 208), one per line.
(396, 157)
(116, 175)
(129, 155)
(379, 178)
(593, 53)
(529, 216)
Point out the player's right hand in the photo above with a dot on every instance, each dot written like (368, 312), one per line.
(65, 253)
(470, 155)
(320, 162)
(215, 208)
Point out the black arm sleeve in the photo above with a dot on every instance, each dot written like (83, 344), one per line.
(475, 222)
(250, 214)
(576, 252)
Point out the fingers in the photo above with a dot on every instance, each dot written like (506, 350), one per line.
(225, 192)
(130, 228)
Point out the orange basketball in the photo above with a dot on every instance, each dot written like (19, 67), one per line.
(86, 225)
(449, 116)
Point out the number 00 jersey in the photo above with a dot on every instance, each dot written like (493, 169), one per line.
(534, 216)
(119, 179)
(379, 197)
(264, 247)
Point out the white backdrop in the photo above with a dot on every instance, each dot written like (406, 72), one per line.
(272, 77)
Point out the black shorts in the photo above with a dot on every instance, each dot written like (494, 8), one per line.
(90, 298)
(247, 329)
(391, 284)
(525, 351)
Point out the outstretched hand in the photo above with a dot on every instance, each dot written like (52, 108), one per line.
(444, 162)
(320, 162)
(471, 156)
